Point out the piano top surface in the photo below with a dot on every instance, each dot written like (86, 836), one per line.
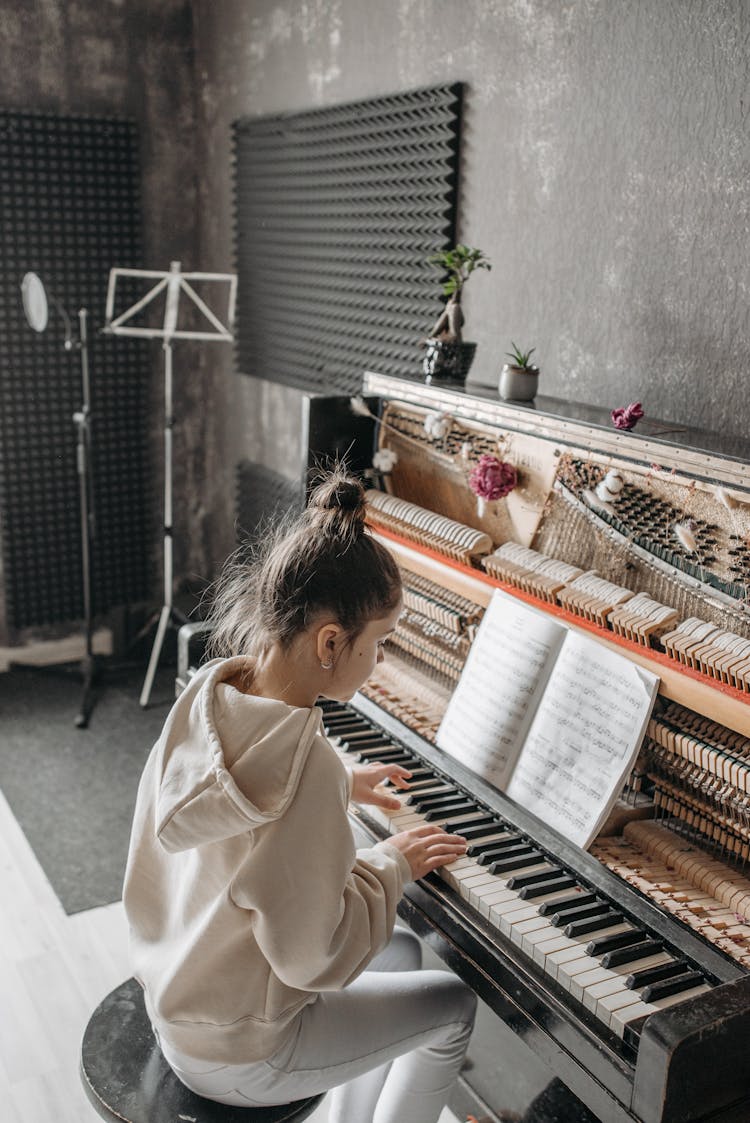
(650, 434)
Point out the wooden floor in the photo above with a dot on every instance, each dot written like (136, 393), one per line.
(54, 970)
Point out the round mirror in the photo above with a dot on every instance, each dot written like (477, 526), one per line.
(34, 301)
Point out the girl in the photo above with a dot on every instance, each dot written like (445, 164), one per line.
(262, 939)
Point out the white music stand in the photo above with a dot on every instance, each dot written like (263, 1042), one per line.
(175, 283)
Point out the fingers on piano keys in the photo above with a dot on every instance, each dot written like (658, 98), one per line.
(577, 938)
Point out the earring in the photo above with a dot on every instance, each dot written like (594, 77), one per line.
(327, 666)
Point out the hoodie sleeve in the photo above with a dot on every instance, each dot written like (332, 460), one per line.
(320, 911)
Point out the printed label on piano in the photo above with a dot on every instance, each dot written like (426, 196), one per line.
(548, 715)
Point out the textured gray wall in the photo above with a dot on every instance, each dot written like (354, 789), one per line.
(605, 173)
(605, 170)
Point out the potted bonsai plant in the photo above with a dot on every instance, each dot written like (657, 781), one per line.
(448, 356)
(519, 378)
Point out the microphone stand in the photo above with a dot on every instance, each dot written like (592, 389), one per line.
(36, 301)
(82, 421)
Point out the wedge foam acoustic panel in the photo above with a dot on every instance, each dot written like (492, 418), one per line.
(337, 210)
(263, 498)
(69, 210)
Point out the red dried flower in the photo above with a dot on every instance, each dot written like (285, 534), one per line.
(492, 478)
(627, 417)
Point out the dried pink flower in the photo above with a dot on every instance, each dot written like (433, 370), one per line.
(492, 478)
(627, 417)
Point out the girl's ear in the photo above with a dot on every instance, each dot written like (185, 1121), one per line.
(328, 644)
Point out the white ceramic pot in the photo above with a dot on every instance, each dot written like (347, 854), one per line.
(518, 384)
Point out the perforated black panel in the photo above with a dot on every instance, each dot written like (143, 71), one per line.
(69, 210)
(337, 210)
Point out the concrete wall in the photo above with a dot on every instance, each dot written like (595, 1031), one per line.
(604, 172)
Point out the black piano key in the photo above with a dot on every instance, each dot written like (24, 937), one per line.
(477, 848)
(578, 928)
(687, 981)
(557, 918)
(423, 775)
(507, 865)
(403, 759)
(505, 848)
(525, 879)
(631, 954)
(364, 738)
(365, 746)
(436, 813)
(619, 940)
(426, 802)
(574, 901)
(476, 827)
(655, 974)
(386, 755)
(419, 783)
(335, 724)
(542, 888)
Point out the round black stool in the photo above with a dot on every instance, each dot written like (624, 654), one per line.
(128, 1081)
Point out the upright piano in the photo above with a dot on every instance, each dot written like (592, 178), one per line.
(614, 982)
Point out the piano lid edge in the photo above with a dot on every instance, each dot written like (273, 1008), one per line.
(640, 448)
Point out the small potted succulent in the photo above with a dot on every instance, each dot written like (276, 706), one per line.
(519, 378)
(448, 356)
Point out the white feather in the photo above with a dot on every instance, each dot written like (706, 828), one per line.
(685, 536)
(724, 497)
(359, 407)
(385, 459)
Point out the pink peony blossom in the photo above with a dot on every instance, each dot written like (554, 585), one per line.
(492, 478)
(627, 417)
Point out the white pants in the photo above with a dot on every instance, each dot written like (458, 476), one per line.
(390, 1045)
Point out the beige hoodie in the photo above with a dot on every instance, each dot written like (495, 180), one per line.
(243, 891)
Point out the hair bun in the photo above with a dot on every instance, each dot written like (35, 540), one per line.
(339, 502)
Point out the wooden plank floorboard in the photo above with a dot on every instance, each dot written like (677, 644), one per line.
(55, 970)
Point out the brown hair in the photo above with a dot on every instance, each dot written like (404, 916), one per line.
(323, 561)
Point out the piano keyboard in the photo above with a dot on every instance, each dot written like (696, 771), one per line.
(616, 968)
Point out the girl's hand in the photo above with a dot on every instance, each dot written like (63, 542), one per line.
(428, 847)
(367, 777)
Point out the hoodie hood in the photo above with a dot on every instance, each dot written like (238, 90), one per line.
(228, 762)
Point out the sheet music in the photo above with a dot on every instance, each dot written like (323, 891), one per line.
(504, 676)
(584, 738)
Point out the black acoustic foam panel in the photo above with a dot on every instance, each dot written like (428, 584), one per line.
(337, 210)
(69, 210)
(263, 498)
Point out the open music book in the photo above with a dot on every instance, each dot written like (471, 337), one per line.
(548, 715)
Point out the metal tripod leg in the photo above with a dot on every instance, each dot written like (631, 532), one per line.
(161, 631)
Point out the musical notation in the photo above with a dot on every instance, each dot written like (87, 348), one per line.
(492, 706)
(550, 716)
(584, 737)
